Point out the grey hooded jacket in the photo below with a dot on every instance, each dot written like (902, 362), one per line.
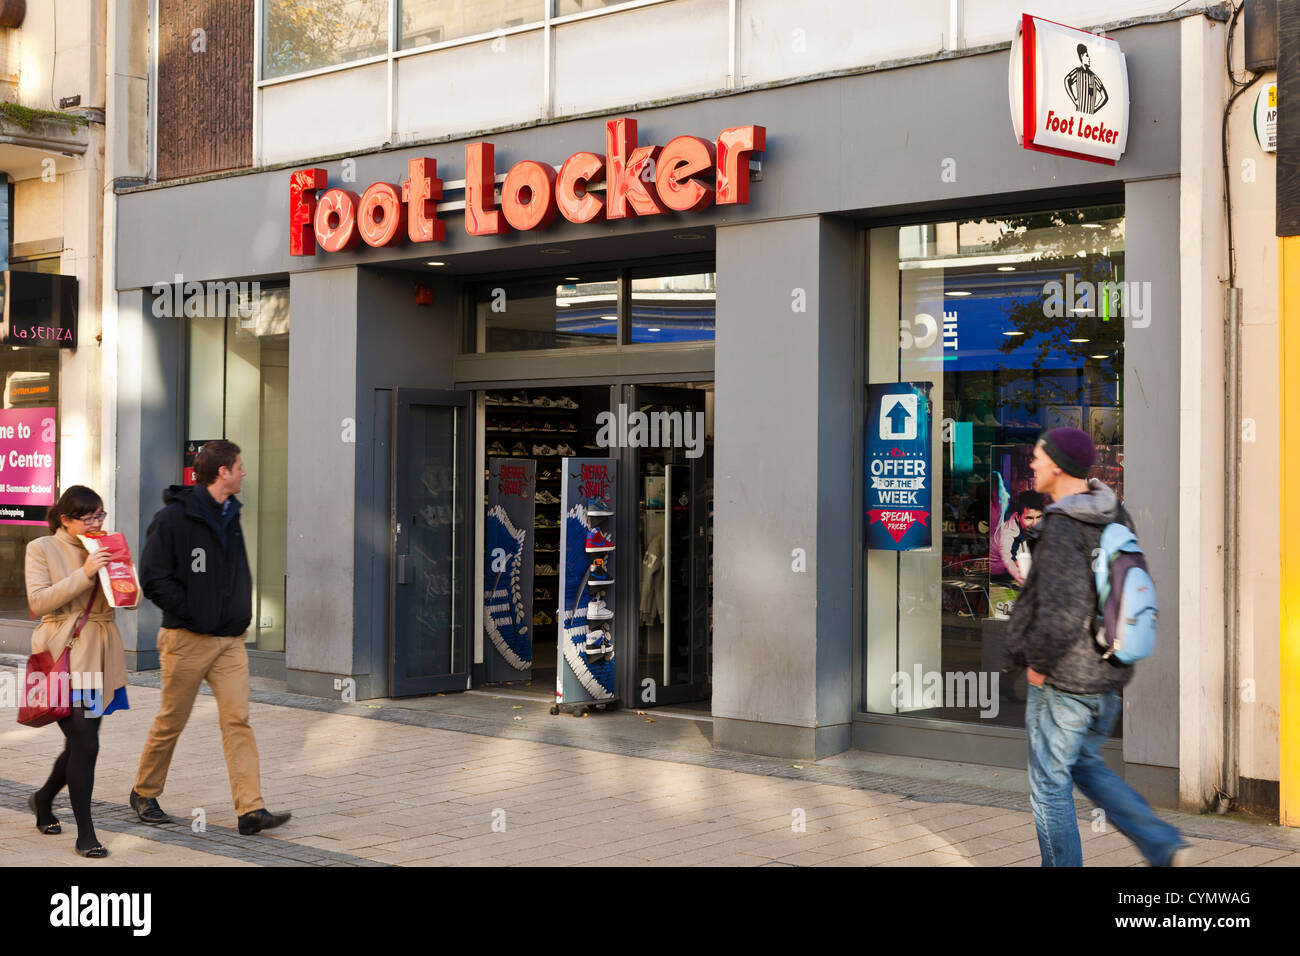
(1052, 623)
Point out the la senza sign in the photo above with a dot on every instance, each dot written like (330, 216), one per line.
(1069, 91)
(685, 175)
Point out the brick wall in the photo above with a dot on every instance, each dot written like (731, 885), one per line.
(205, 86)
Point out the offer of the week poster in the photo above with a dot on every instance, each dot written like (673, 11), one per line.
(28, 437)
(898, 466)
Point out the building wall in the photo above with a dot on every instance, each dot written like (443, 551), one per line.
(205, 86)
(1253, 175)
(642, 55)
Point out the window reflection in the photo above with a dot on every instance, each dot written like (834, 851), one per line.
(1017, 324)
(309, 36)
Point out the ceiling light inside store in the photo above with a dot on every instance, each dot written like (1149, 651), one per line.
(1091, 225)
(572, 279)
(956, 293)
(654, 330)
(1102, 356)
(1014, 332)
(435, 262)
(1080, 341)
(1006, 268)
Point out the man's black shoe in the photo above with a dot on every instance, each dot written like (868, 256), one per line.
(147, 809)
(260, 820)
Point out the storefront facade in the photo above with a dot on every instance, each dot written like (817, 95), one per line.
(878, 199)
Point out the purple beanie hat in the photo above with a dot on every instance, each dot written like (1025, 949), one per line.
(1071, 449)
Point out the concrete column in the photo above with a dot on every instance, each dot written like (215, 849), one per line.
(785, 520)
(322, 479)
(1202, 254)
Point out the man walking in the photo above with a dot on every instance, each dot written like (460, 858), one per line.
(1074, 696)
(195, 568)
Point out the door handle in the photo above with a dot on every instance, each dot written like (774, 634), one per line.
(401, 570)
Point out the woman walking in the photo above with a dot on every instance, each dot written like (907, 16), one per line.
(62, 582)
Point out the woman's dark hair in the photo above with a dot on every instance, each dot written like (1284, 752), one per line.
(212, 457)
(76, 502)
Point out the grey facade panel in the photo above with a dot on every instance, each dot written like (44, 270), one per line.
(322, 472)
(1152, 377)
(865, 142)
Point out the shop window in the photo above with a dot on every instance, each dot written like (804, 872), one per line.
(30, 378)
(1015, 326)
(238, 389)
(298, 37)
(674, 308)
(432, 21)
(566, 312)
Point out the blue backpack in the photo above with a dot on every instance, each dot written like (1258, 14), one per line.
(1126, 597)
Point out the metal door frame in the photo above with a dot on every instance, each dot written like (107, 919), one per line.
(634, 394)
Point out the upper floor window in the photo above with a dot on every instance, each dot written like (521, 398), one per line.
(298, 37)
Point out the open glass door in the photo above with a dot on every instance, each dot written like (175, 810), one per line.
(429, 619)
(672, 517)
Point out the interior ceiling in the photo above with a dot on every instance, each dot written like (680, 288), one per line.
(502, 255)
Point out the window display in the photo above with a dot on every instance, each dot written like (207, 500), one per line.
(1017, 324)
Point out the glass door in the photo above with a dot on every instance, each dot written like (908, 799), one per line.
(430, 559)
(671, 594)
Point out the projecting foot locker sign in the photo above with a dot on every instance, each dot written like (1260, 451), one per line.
(898, 463)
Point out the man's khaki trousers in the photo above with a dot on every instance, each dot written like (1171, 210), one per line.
(187, 659)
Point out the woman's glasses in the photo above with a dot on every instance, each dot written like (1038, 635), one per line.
(96, 518)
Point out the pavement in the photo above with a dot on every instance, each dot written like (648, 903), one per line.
(491, 778)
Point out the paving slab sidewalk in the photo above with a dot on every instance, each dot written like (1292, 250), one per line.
(383, 785)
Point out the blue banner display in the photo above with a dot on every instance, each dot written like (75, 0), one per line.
(898, 466)
(508, 569)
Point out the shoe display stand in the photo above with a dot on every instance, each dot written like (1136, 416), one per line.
(586, 640)
(508, 569)
(519, 427)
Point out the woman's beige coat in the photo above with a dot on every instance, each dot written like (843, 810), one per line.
(58, 590)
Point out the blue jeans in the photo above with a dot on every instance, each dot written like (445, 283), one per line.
(1066, 733)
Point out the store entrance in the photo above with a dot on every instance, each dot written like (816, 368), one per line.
(662, 528)
(674, 535)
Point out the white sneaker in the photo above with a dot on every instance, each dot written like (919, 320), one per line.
(598, 610)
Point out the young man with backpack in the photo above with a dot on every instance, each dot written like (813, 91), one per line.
(1075, 669)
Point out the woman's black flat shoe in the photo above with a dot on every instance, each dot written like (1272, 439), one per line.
(96, 852)
(49, 829)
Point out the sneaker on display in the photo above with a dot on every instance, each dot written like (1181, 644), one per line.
(544, 401)
(598, 610)
(543, 451)
(596, 541)
(546, 427)
(519, 451)
(495, 399)
(599, 574)
(564, 451)
(596, 508)
(565, 402)
(546, 475)
(518, 399)
(542, 594)
(498, 449)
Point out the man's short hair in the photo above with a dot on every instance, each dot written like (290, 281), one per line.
(212, 457)
(1029, 499)
(1081, 49)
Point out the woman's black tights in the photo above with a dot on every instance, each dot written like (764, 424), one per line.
(75, 767)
